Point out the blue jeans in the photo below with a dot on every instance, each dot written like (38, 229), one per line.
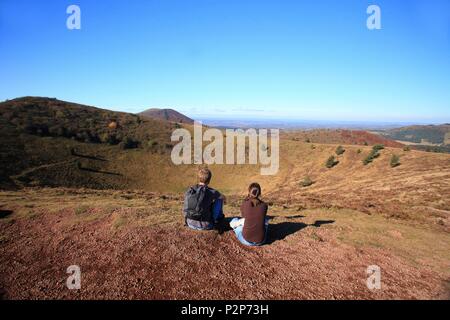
(240, 236)
(217, 214)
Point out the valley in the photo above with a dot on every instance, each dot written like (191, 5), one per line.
(114, 209)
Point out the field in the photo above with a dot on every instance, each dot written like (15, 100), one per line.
(116, 212)
(133, 245)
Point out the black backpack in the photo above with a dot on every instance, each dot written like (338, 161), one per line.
(197, 204)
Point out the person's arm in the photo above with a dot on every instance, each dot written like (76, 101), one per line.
(218, 195)
(185, 204)
(266, 209)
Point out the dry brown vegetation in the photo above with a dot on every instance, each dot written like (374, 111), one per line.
(339, 136)
(116, 213)
(133, 245)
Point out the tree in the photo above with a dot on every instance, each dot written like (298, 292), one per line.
(374, 153)
(372, 156)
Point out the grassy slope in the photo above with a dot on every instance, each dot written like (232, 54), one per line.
(416, 189)
(417, 186)
(434, 134)
(372, 239)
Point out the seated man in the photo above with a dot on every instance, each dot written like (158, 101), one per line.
(203, 206)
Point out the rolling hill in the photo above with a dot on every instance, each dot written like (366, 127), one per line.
(51, 142)
(426, 135)
(167, 115)
(341, 136)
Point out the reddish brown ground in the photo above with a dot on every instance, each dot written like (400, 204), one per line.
(341, 136)
(361, 137)
(168, 261)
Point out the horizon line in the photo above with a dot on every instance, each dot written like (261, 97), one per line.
(251, 117)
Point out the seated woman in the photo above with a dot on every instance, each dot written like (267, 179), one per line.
(252, 228)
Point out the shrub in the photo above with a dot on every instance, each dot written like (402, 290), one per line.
(358, 151)
(331, 162)
(340, 150)
(28, 128)
(128, 143)
(84, 136)
(306, 182)
(55, 131)
(111, 139)
(151, 143)
(378, 147)
(307, 140)
(104, 137)
(313, 147)
(407, 148)
(94, 138)
(372, 156)
(395, 161)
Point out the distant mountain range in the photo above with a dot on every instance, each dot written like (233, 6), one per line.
(167, 115)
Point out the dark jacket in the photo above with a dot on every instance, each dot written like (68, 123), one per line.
(211, 196)
(255, 217)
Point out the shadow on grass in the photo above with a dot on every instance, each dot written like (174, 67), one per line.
(297, 216)
(5, 213)
(76, 154)
(281, 230)
(99, 171)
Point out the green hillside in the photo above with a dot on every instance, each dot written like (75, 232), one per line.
(430, 134)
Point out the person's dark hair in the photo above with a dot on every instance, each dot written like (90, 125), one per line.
(254, 192)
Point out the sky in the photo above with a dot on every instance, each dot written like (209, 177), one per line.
(306, 60)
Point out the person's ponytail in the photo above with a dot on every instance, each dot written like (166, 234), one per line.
(254, 192)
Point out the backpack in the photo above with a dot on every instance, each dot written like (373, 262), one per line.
(197, 205)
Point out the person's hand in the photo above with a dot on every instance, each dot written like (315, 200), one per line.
(223, 198)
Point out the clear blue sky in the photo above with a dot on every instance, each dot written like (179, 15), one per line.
(267, 59)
